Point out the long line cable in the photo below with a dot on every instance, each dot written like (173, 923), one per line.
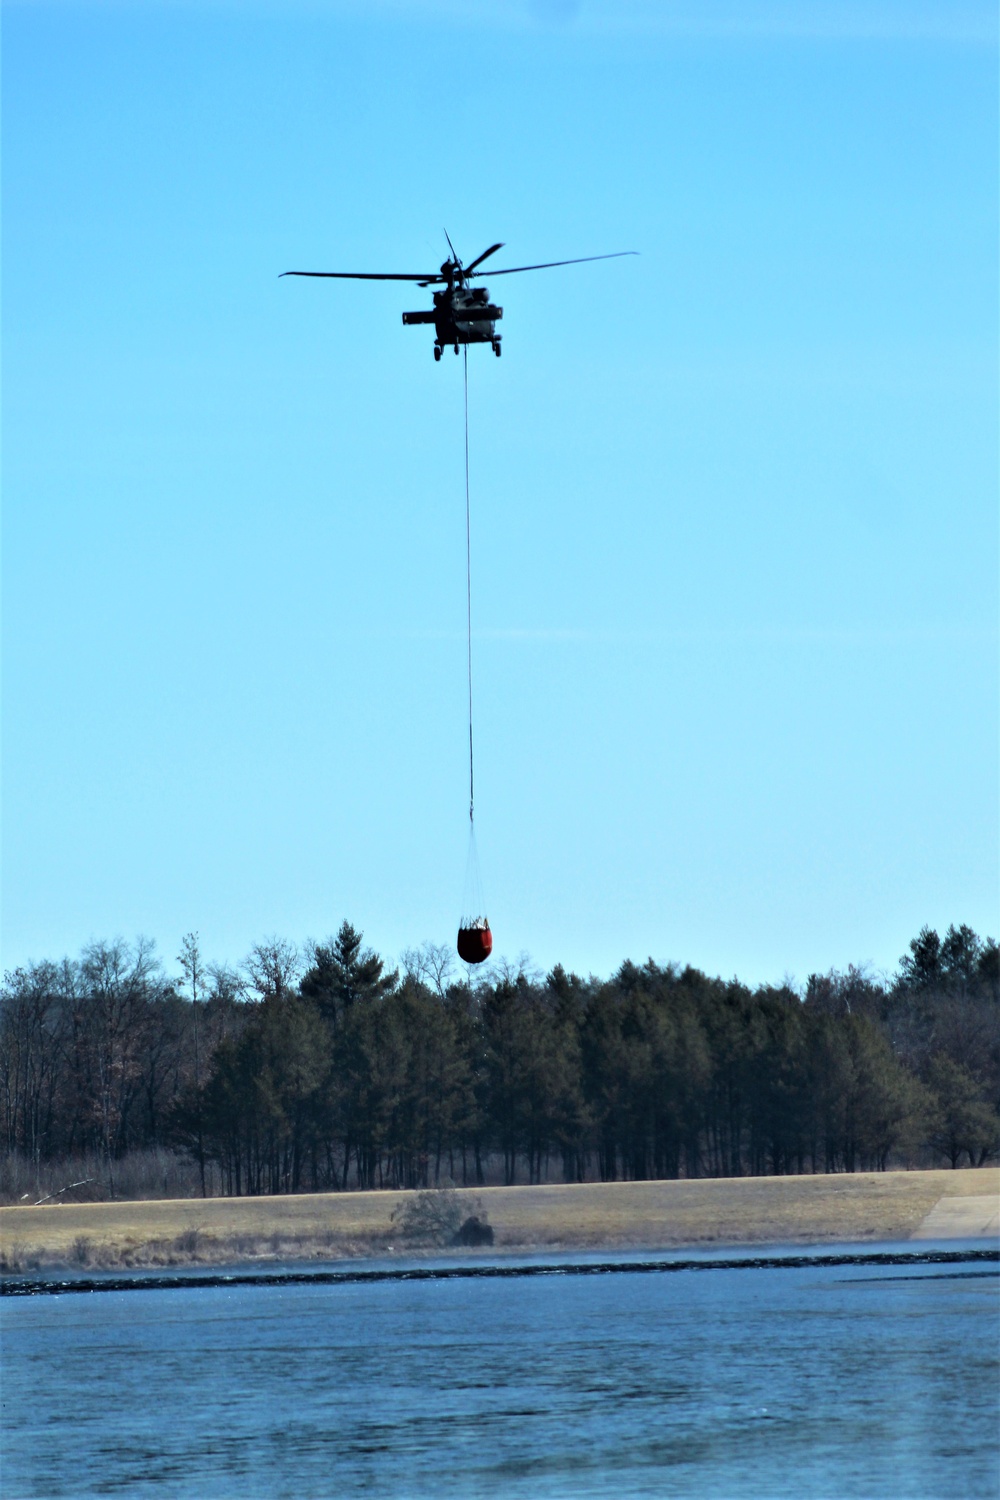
(468, 578)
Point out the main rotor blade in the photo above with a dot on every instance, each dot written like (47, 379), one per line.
(451, 247)
(420, 276)
(480, 258)
(578, 261)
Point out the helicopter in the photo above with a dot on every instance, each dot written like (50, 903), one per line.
(462, 314)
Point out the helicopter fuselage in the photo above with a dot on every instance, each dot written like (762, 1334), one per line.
(461, 315)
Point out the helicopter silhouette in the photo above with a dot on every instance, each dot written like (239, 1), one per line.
(462, 314)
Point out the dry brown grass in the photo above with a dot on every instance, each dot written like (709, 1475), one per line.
(857, 1207)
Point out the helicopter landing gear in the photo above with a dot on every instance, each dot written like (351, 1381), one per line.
(496, 347)
(456, 348)
(437, 351)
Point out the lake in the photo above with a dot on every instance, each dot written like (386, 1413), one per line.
(722, 1379)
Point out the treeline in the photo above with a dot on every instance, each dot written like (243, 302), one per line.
(325, 1070)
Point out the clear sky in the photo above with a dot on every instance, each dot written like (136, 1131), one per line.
(734, 501)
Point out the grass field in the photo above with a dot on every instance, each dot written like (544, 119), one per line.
(857, 1207)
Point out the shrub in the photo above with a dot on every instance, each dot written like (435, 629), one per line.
(431, 1217)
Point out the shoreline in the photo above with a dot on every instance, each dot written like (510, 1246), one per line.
(863, 1208)
(927, 1259)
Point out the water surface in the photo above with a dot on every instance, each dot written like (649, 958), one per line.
(814, 1380)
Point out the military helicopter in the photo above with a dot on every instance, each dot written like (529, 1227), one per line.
(462, 314)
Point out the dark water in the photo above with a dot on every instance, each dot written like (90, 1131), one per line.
(812, 1380)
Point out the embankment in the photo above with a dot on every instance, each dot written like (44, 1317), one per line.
(863, 1207)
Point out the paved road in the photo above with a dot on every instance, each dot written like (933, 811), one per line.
(961, 1219)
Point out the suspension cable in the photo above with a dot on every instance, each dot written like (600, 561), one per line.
(468, 577)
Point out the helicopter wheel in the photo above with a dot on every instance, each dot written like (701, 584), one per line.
(496, 348)
(437, 351)
(456, 348)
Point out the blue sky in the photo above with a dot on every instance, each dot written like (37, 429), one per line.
(734, 501)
